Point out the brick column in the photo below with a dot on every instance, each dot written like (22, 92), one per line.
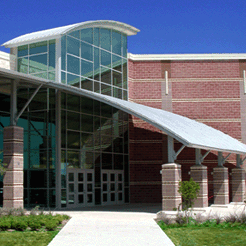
(221, 186)
(238, 184)
(199, 174)
(171, 175)
(13, 157)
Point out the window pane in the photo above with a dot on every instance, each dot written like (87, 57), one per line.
(52, 76)
(117, 79)
(73, 122)
(106, 89)
(87, 160)
(52, 54)
(87, 84)
(86, 51)
(23, 65)
(97, 87)
(73, 64)
(124, 74)
(106, 75)
(124, 44)
(96, 36)
(86, 105)
(87, 141)
(107, 161)
(73, 80)
(41, 75)
(116, 63)
(38, 48)
(63, 53)
(37, 63)
(116, 42)
(73, 103)
(105, 39)
(73, 140)
(75, 34)
(73, 159)
(86, 123)
(105, 58)
(63, 78)
(117, 93)
(23, 50)
(86, 69)
(96, 62)
(73, 46)
(87, 35)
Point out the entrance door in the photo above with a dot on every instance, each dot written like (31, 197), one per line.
(112, 187)
(80, 188)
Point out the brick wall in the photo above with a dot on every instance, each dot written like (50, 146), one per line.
(207, 91)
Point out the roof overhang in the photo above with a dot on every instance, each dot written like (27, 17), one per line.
(55, 33)
(189, 132)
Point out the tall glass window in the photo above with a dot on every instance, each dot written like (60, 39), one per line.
(38, 59)
(95, 59)
(94, 136)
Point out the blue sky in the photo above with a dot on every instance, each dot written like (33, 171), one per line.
(166, 27)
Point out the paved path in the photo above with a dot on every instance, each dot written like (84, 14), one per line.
(99, 228)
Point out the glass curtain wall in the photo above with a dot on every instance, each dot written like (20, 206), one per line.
(93, 136)
(37, 59)
(38, 121)
(95, 59)
(4, 121)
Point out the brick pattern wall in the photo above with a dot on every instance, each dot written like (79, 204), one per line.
(207, 91)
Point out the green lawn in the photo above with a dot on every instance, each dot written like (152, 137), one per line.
(26, 238)
(206, 236)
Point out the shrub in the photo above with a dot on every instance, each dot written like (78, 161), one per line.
(5, 224)
(189, 191)
(161, 216)
(51, 225)
(34, 223)
(19, 224)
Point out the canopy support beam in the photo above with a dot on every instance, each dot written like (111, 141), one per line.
(172, 155)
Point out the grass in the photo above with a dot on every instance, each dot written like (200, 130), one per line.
(191, 236)
(26, 238)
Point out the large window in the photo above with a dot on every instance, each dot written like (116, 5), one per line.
(37, 59)
(94, 136)
(95, 59)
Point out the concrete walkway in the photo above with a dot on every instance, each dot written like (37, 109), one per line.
(117, 225)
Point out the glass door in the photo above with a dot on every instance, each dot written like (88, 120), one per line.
(112, 187)
(80, 187)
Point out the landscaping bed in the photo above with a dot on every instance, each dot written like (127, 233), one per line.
(19, 227)
(193, 229)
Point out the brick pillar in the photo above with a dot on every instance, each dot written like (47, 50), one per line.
(13, 157)
(199, 174)
(171, 175)
(238, 184)
(221, 186)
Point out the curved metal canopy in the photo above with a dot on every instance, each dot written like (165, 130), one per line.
(59, 31)
(189, 132)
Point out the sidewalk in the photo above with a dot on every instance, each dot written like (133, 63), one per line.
(111, 228)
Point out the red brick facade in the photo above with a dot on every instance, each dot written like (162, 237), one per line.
(209, 91)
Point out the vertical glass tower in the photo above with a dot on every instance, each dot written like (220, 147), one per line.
(75, 148)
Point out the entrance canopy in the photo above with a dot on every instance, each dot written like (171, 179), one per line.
(189, 132)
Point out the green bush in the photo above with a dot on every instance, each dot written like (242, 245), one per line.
(51, 225)
(19, 224)
(5, 223)
(189, 191)
(34, 223)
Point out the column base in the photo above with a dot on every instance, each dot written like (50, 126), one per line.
(238, 185)
(171, 176)
(221, 186)
(199, 175)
